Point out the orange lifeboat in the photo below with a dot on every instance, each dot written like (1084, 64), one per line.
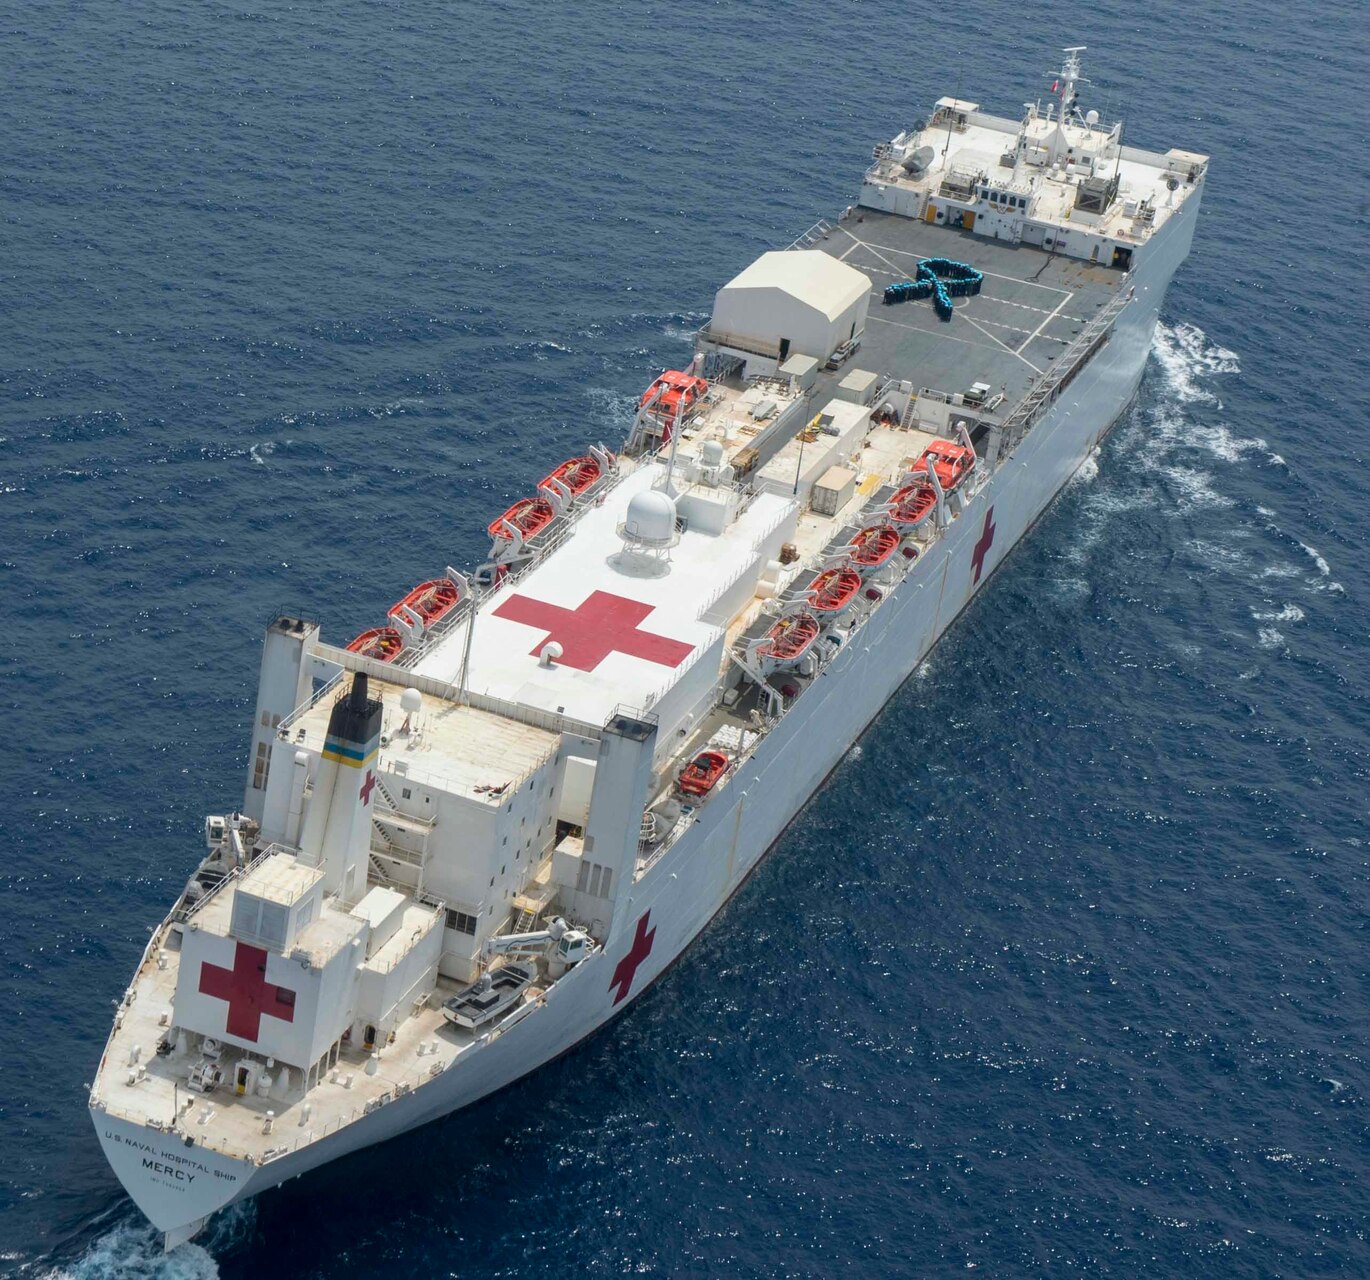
(700, 776)
(529, 517)
(679, 393)
(834, 589)
(873, 547)
(951, 461)
(913, 504)
(381, 643)
(789, 639)
(431, 600)
(577, 474)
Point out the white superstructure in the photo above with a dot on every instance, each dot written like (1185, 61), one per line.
(476, 833)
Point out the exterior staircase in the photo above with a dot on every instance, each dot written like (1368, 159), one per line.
(387, 821)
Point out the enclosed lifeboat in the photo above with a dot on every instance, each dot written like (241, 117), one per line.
(676, 393)
(576, 475)
(381, 643)
(873, 547)
(700, 776)
(834, 589)
(913, 504)
(524, 520)
(789, 639)
(951, 462)
(431, 601)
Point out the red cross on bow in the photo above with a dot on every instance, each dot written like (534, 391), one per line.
(247, 991)
(367, 787)
(640, 950)
(604, 624)
(982, 547)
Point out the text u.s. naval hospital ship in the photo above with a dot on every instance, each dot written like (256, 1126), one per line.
(477, 832)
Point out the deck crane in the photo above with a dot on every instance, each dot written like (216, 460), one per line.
(559, 944)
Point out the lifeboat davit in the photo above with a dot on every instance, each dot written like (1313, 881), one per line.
(529, 517)
(952, 462)
(913, 504)
(431, 600)
(699, 777)
(834, 589)
(790, 639)
(578, 474)
(678, 392)
(381, 643)
(874, 546)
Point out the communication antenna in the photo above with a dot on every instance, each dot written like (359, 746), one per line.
(675, 444)
(951, 115)
(1070, 77)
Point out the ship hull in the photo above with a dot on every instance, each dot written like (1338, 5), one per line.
(688, 885)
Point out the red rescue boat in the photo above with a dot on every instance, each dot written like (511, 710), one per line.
(789, 639)
(834, 589)
(679, 393)
(699, 777)
(431, 600)
(577, 474)
(381, 643)
(873, 547)
(529, 517)
(913, 504)
(952, 462)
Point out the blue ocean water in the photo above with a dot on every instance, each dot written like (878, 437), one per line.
(1066, 969)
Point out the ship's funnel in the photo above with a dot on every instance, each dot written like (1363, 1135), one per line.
(337, 829)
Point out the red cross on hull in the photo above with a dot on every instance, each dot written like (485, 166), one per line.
(627, 968)
(982, 547)
(247, 991)
(604, 624)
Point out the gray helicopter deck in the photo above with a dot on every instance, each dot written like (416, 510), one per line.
(1030, 307)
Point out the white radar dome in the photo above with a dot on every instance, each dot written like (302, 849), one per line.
(651, 518)
(711, 453)
(411, 700)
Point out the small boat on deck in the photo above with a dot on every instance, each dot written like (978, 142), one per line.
(913, 504)
(873, 546)
(789, 639)
(484, 1001)
(381, 643)
(524, 520)
(700, 776)
(834, 589)
(951, 462)
(431, 601)
(576, 475)
(676, 393)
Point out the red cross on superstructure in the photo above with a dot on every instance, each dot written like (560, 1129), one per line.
(604, 624)
(640, 950)
(247, 991)
(367, 787)
(982, 547)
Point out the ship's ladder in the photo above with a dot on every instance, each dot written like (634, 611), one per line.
(387, 820)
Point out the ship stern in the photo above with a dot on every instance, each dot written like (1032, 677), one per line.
(174, 1181)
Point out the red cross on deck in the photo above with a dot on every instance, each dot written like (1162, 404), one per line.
(604, 624)
(247, 991)
(982, 547)
(626, 969)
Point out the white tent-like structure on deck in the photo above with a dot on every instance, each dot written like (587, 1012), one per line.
(791, 301)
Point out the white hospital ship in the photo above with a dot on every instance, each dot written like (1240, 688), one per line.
(480, 830)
